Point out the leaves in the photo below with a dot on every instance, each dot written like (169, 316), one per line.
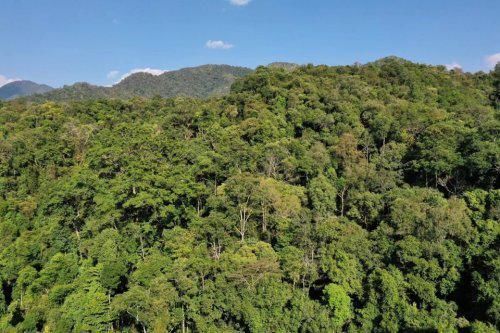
(309, 199)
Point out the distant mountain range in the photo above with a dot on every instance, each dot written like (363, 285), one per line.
(22, 88)
(202, 81)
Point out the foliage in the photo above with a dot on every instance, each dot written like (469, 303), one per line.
(309, 199)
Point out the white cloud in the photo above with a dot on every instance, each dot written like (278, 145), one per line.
(492, 60)
(239, 2)
(453, 65)
(112, 74)
(144, 70)
(218, 44)
(4, 80)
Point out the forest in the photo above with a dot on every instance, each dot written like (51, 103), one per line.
(358, 198)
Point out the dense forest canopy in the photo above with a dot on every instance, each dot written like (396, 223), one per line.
(309, 199)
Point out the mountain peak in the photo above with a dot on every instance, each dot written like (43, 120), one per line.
(22, 88)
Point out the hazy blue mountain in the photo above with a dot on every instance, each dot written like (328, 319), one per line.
(22, 88)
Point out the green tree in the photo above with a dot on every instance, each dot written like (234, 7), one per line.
(340, 304)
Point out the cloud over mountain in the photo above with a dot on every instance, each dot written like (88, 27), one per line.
(151, 71)
(453, 65)
(493, 59)
(4, 80)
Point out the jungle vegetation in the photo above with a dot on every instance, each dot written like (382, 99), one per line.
(356, 198)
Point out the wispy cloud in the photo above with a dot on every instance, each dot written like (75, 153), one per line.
(492, 60)
(152, 71)
(239, 2)
(453, 65)
(218, 44)
(4, 80)
(113, 75)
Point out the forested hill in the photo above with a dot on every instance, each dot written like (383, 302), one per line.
(316, 199)
(202, 81)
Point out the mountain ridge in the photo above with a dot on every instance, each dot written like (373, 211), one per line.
(200, 81)
(197, 81)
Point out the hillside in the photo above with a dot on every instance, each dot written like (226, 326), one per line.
(201, 82)
(22, 88)
(284, 65)
(315, 199)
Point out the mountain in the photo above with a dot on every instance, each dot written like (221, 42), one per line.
(77, 91)
(22, 88)
(201, 82)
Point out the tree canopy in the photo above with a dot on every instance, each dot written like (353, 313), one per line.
(309, 199)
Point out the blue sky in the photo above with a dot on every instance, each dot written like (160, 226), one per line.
(63, 41)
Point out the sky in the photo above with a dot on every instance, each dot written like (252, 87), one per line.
(60, 42)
